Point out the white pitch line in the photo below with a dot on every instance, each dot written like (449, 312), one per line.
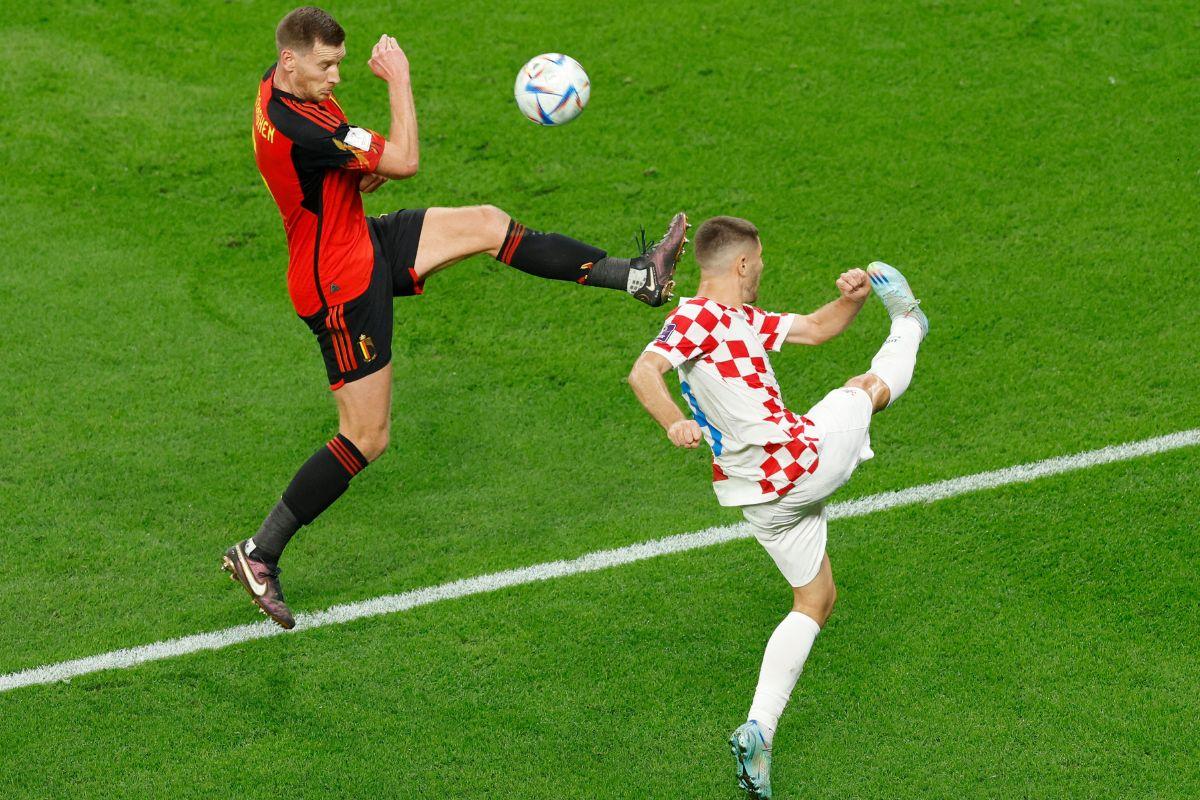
(592, 562)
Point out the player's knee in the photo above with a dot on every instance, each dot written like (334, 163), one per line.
(817, 604)
(493, 221)
(492, 215)
(377, 444)
(371, 444)
(875, 388)
(864, 382)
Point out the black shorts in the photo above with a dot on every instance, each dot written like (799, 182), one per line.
(356, 336)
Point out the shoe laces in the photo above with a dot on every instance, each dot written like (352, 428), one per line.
(639, 241)
(272, 569)
(273, 574)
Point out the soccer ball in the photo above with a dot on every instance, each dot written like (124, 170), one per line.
(552, 89)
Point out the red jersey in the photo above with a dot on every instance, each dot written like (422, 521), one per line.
(311, 159)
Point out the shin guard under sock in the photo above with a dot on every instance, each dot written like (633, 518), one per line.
(895, 361)
(561, 258)
(321, 481)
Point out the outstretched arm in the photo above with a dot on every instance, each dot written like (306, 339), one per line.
(832, 318)
(401, 151)
(646, 379)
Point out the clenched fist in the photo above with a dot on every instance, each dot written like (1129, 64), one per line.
(684, 433)
(854, 285)
(388, 60)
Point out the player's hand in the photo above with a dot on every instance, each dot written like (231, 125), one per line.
(684, 433)
(388, 60)
(854, 285)
(370, 182)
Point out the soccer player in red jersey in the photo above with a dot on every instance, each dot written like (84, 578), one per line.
(344, 268)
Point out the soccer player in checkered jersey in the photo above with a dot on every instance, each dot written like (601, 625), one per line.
(780, 467)
(344, 268)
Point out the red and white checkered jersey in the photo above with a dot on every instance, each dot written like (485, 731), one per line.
(760, 449)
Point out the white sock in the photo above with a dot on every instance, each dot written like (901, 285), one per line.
(894, 362)
(787, 650)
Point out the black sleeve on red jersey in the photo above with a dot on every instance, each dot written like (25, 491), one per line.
(321, 138)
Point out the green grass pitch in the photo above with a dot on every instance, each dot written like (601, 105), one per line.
(1031, 165)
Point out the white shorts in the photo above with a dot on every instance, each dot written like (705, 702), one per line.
(793, 528)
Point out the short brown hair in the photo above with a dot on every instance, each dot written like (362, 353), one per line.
(303, 28)
(718, 233)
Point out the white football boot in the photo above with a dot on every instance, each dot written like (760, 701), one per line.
(892, 290)
(753, 760)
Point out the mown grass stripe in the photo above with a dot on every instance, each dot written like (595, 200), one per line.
(591, 562)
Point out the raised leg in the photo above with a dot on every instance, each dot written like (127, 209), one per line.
(451, 234)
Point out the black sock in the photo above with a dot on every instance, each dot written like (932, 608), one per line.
(321, 480)
(561, 258)
(611, 273)
(274, 534)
